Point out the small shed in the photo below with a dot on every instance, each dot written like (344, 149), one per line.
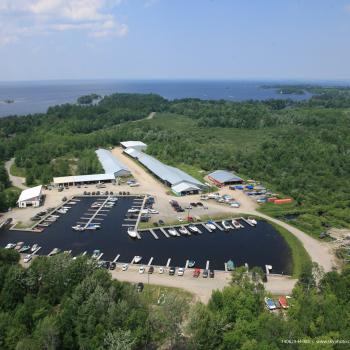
(224, 177)
(30, 197)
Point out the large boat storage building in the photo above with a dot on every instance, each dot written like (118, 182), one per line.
(31, 197)
(180, 182)
(112, 166)
(224, 177)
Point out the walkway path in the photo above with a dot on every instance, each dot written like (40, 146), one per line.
(17, 181)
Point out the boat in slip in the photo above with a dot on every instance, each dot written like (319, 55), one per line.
(193, 228)
(54, 251)
(270, 304)
(24, 248)
(78, 228)
(191, 263)
(252, 221)
(34, 247)
(137, 259)
(172, 232)
(226, 224)
(210, 224)
(92, 227)
(132, 232)
(19, 245)
(230, 265)
(96, 253)
(183, 230)
(10, 245)
(133, 210)
(236, 224)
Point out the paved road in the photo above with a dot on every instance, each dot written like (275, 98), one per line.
(16, 180)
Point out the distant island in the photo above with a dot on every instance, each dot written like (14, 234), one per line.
(88, 99)
(286, 89)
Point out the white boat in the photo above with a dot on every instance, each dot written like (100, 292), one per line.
(96, 253)
(210, 225)
(236, 224)
(133, 210)
(172, 232)
(193, 228)
(10, 245)
(34, 247)
(92, 227)
(78, 228)
(132, 232)
(252, 221)
(24, 248)
(183, 230)
(54, 251)
(137, 259)
(226, 224)
(19, 245)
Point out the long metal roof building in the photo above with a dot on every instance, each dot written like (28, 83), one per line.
(110, 164)
(179, 181)
(77, 179)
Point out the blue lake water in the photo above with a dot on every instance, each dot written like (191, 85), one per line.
(36, 97)
(257, 246)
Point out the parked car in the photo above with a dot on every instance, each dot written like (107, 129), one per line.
(180, 271)
(211, 273)
(172, 271)
(196, 272)
(141, 269)
(161, 222)
(125, 267)
(151, 270)
(161, 270)
(112, 265)
(205, 274)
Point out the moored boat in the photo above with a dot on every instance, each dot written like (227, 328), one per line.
(34, 247)
(183, 230)
(19, 245)
(78, 228)
(137, 259)
(172, 232)
(193, 228)
(54, 251)
(96, 253)
(210, 224)
(133, 210)
(10, 245)
(191, 263)
(226, 224)
(132, 232)
(236, 224)
(230, 265)
(24, 248)
(252, 221)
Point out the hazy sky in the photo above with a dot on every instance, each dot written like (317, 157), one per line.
(145, 39)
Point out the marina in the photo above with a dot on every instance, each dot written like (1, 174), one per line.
(258, 245)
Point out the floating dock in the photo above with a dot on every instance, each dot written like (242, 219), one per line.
(150, 261)
(246, 221)
(116, 258)
(165, 233)
(168, 262)
(153, 234)
(218, 226)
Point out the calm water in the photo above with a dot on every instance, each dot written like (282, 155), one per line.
(257, 246)
(35, 97)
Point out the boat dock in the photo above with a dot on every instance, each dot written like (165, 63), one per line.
(168, 263)
(207, 265)
(153, 234)
(207, 228)
(218, 226)
(246, 221)
(150, 261)
(186, 265)
(116, 258)
(97, 212)
(165, 233)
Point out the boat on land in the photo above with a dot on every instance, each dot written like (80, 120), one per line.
(226, 224)
(78, 228)
(34, 247)
(252, 221)
(25, 248)
(193, 228)
(270, 304)
(183, 230)
(137, 259)
(132, 232)
(230, 265)
(54, 251)
(172, 232)
(191, 263)
(236, 224)
(10, 245)
(210, 224)
(96, 253)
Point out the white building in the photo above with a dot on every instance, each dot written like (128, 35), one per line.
(30, 197)
(138, 145)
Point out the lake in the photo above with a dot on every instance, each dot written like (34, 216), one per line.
(258, 246)
(36, 97)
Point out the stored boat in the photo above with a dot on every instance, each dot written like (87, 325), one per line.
(183, 230)
(132, 232)
(172, 232)
(226, 224)
(270, 304)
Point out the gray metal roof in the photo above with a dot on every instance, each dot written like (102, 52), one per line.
(184, 186)
(224, 176)
(83, 178)
(110, 164)
(133, 144)
(165, 172)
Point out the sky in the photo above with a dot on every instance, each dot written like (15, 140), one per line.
(174, 39)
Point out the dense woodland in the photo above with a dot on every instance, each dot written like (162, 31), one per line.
(61, 303)
(298, 149)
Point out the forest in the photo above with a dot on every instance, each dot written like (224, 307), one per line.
(62, 303)
(298, 149)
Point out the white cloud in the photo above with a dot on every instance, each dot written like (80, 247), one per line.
(20, 18)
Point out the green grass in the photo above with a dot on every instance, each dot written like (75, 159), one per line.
(17, 171)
